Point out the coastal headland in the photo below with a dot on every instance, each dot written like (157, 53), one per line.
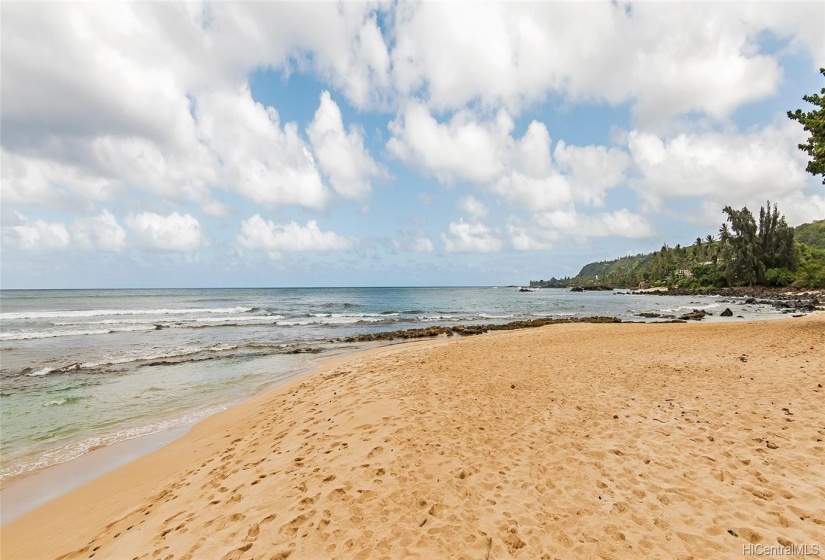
(571, 440)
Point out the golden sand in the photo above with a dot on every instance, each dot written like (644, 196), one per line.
(568, 441)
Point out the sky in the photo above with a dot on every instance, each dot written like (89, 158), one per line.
(275, 144)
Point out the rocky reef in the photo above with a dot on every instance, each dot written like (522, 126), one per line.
(469, 330)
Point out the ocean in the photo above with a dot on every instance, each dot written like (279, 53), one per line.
(80, 369)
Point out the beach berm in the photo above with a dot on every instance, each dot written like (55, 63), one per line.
(565, 441)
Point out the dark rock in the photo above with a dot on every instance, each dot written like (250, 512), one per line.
(576, 289)
(695, 315)
(649, 315)
(726, 313)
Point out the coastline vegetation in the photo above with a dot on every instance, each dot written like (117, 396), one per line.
(747, 251)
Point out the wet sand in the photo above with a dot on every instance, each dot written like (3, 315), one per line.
(566, 441)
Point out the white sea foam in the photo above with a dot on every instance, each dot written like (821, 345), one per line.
(490, 316)
(139, 356)
(104, 312)
(30, 335)
(76, 449)
(691, 307)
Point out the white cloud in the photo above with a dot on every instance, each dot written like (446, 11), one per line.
(258, 234)
(102, 98)
(267, 163)
(341, 154)
(38, 235)
(36, 181)
(735, 168)
(592, 170)
(461, 150)
(533, 193)
(621, 223)
(473, 207)
(463, 237)
(519, 170)
(101, 232)
(174, 232)
(665, 59)
(422, 245)
(527, 238)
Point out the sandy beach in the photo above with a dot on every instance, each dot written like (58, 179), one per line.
(566, 441)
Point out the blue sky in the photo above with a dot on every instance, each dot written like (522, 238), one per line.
(363, 144)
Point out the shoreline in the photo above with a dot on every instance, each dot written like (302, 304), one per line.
(56, 485)
(27, 491)
(205, 438)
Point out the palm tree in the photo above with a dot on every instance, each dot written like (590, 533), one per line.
(724, 233)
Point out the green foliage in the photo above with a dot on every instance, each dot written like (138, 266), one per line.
(552, 283)
(751, 249)
(747, 251)
(814, 123)
(744, 264)
(779, 277)
(777, 248)
(811, 271)
(812, 234)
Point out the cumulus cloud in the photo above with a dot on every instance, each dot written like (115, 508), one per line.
(422, 245)
(621, 223)
(521, 171)
(175, 232)
(341, 154)
(592, 170)
(726, 168)
(464, 237)
(101, 98)
(664, 59)
(258, 234)
(101, 232)
(462, 149)
(39, 181)
(266, 162)
(37, 235)
(525, 237)
(473, 207)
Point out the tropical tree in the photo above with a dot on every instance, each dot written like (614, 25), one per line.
(814, 123)
(745, 264)
(777, 244)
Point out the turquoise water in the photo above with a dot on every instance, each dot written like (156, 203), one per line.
(84, 368)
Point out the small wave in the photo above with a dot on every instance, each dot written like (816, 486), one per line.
(65, 400)
(262, 319)
(489, 316)
(106, 312)
(174, 353)
(339, 305)
(691, 307)
(407, 312)
(73, 450)
(33, 335)
(430, 318)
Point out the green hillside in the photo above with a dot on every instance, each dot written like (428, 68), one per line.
(781, 256)
(812, 234)
(621, 266)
